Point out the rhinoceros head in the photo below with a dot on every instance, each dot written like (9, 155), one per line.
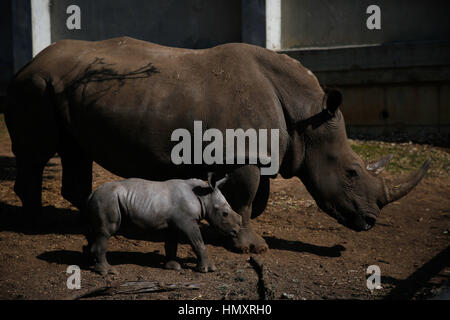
(343, 185)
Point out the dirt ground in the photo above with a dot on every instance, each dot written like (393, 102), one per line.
(310, 256)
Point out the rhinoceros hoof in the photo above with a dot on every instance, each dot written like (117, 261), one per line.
(103, 269)
(248, 241)
(205, 268)
(172, 265)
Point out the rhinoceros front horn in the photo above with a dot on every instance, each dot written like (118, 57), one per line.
(403, 186)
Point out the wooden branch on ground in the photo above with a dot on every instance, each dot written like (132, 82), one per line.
(265, 290)
(136, 287)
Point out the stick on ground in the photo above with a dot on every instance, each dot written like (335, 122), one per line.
(137, 287)
(264, 289)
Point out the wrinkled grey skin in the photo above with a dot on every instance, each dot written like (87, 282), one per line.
(175, 205)
(117, 102)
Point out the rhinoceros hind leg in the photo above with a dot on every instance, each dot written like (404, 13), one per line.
(77, 174)
(171, 246)
(98, 251)
(32, 126)
(28, 185)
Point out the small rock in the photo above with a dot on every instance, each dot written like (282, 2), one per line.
(287, 296)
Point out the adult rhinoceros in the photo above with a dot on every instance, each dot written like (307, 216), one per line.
(117, 102)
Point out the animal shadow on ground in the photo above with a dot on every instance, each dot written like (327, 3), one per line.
(7, 168)
(298, 246)
(145, 259)
(214, 237)
(420, 284)
(155, 259)
(50, 220)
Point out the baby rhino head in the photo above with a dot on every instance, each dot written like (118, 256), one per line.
(218, 212)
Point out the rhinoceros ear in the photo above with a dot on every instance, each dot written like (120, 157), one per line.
(222, 181)
(333, 101)
(211, 179)
(214, 183)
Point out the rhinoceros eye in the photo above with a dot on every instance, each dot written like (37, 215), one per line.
(224, 214)
(351, 173)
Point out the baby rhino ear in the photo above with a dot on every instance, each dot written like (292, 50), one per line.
(214, 183)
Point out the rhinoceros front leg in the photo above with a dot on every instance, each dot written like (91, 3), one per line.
(192, 231)
(262, 197)
(240, 191)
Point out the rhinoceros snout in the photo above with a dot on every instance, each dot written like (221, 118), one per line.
(234, 232)
(363, 222)
(369, 221)
(237, 227)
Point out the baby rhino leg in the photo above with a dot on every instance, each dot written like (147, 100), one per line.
(194, 236)
(170, 246)
(104, 217)
(98, 251)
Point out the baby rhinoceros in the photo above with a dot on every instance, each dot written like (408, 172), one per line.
(175, 205)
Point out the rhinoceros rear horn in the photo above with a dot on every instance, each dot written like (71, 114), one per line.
(334, 100)
(402, 187)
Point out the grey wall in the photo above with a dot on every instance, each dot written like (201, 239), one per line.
(188, 23)
(6, 59)
(323, 23)
(395, 80)
(254, 22)
(388, 89)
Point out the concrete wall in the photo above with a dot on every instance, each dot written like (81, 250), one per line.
(41, 25)
(325, 23)
(188, 23)
(404, 108)
(394, 80)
